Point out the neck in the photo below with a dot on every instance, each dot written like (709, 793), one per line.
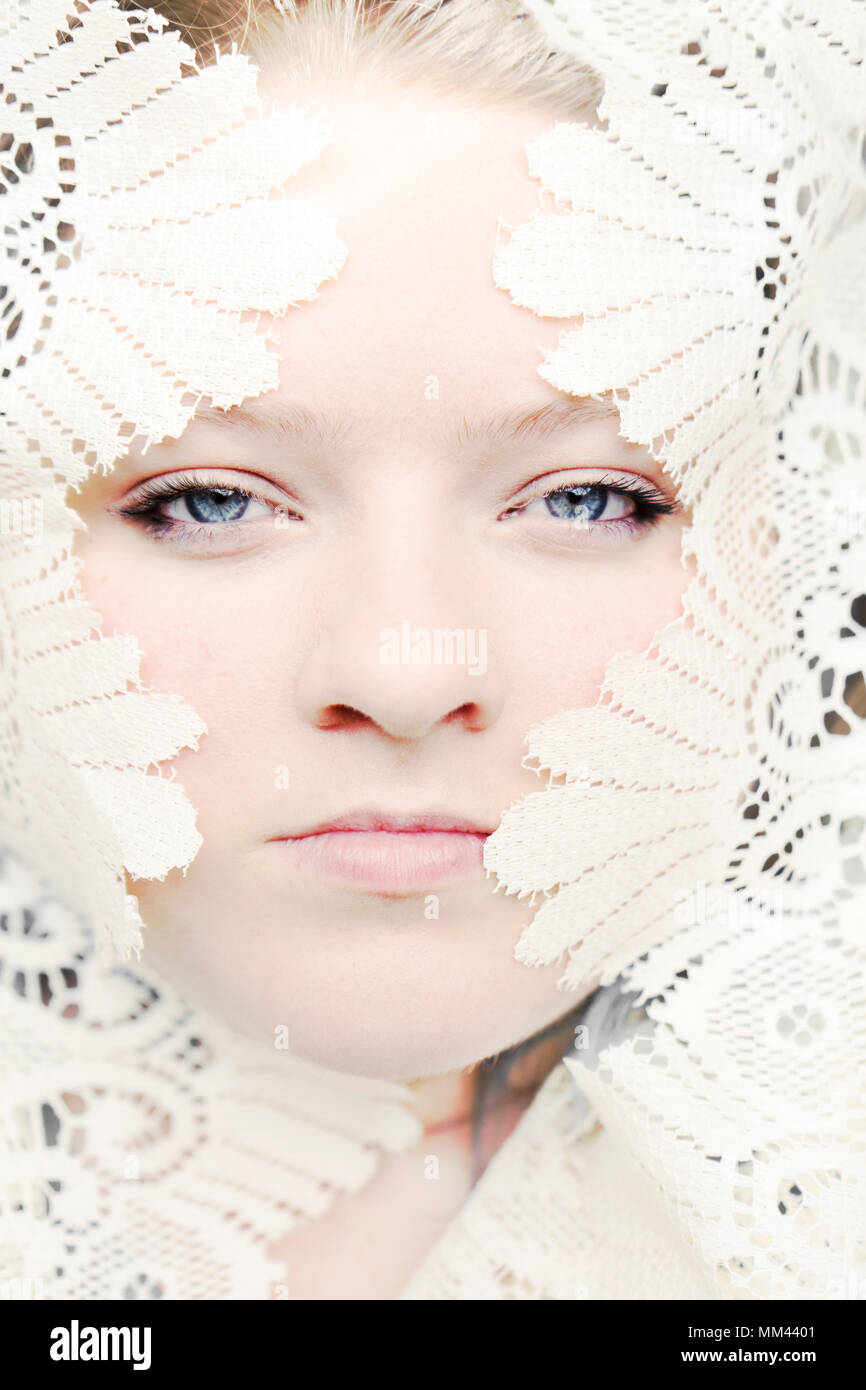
(496, 1090)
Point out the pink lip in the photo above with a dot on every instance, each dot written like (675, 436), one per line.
(392, 855)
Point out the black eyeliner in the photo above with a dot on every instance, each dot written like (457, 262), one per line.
(653, 502)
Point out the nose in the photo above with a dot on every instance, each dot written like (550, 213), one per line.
(402, 667)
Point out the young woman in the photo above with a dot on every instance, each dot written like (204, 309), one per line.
(370, 581)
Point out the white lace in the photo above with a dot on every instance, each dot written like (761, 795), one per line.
(700, 842)
(128, 189)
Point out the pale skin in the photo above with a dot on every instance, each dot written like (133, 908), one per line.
(273, 636)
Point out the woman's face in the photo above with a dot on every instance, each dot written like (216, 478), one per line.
(397, 487)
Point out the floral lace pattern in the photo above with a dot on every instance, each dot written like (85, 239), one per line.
(130, 175)
(147, 1151)
(703, 833)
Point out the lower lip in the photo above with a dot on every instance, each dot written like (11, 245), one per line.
(385, 861)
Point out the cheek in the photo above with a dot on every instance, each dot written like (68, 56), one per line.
(230, 638)
(564, 624)
(204, 636)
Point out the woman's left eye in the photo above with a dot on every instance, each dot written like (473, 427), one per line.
(585, 504)
(576, 512)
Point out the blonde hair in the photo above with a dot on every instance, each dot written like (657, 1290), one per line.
(484, 50)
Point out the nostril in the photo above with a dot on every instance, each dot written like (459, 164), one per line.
(341, 717)
(468, 714)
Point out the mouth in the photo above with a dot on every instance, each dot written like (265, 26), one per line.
(393, 856)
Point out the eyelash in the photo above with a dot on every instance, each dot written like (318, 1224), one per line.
(154, 494)
(652, 504)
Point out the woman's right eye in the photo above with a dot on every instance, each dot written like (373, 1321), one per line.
(214, 504)
(188, 510)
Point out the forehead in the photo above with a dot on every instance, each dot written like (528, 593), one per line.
(420, 188)
(392, 140)
(416, 181)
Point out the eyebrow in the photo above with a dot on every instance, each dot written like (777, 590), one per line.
(283, 421)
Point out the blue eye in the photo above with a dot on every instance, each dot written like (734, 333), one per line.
(212, 504)
(602, 501)
(614, 510)
(190, 509)
(589, 503)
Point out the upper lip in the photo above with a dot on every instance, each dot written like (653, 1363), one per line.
(396, 824)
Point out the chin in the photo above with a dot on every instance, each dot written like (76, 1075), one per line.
(384, 993)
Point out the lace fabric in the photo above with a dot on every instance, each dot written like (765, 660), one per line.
(131, 176)
(700, 842)
(704, 829)
(149, 1152)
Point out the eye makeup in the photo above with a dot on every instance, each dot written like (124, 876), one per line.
(581, 510)
(217, 509)
(191, 508)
